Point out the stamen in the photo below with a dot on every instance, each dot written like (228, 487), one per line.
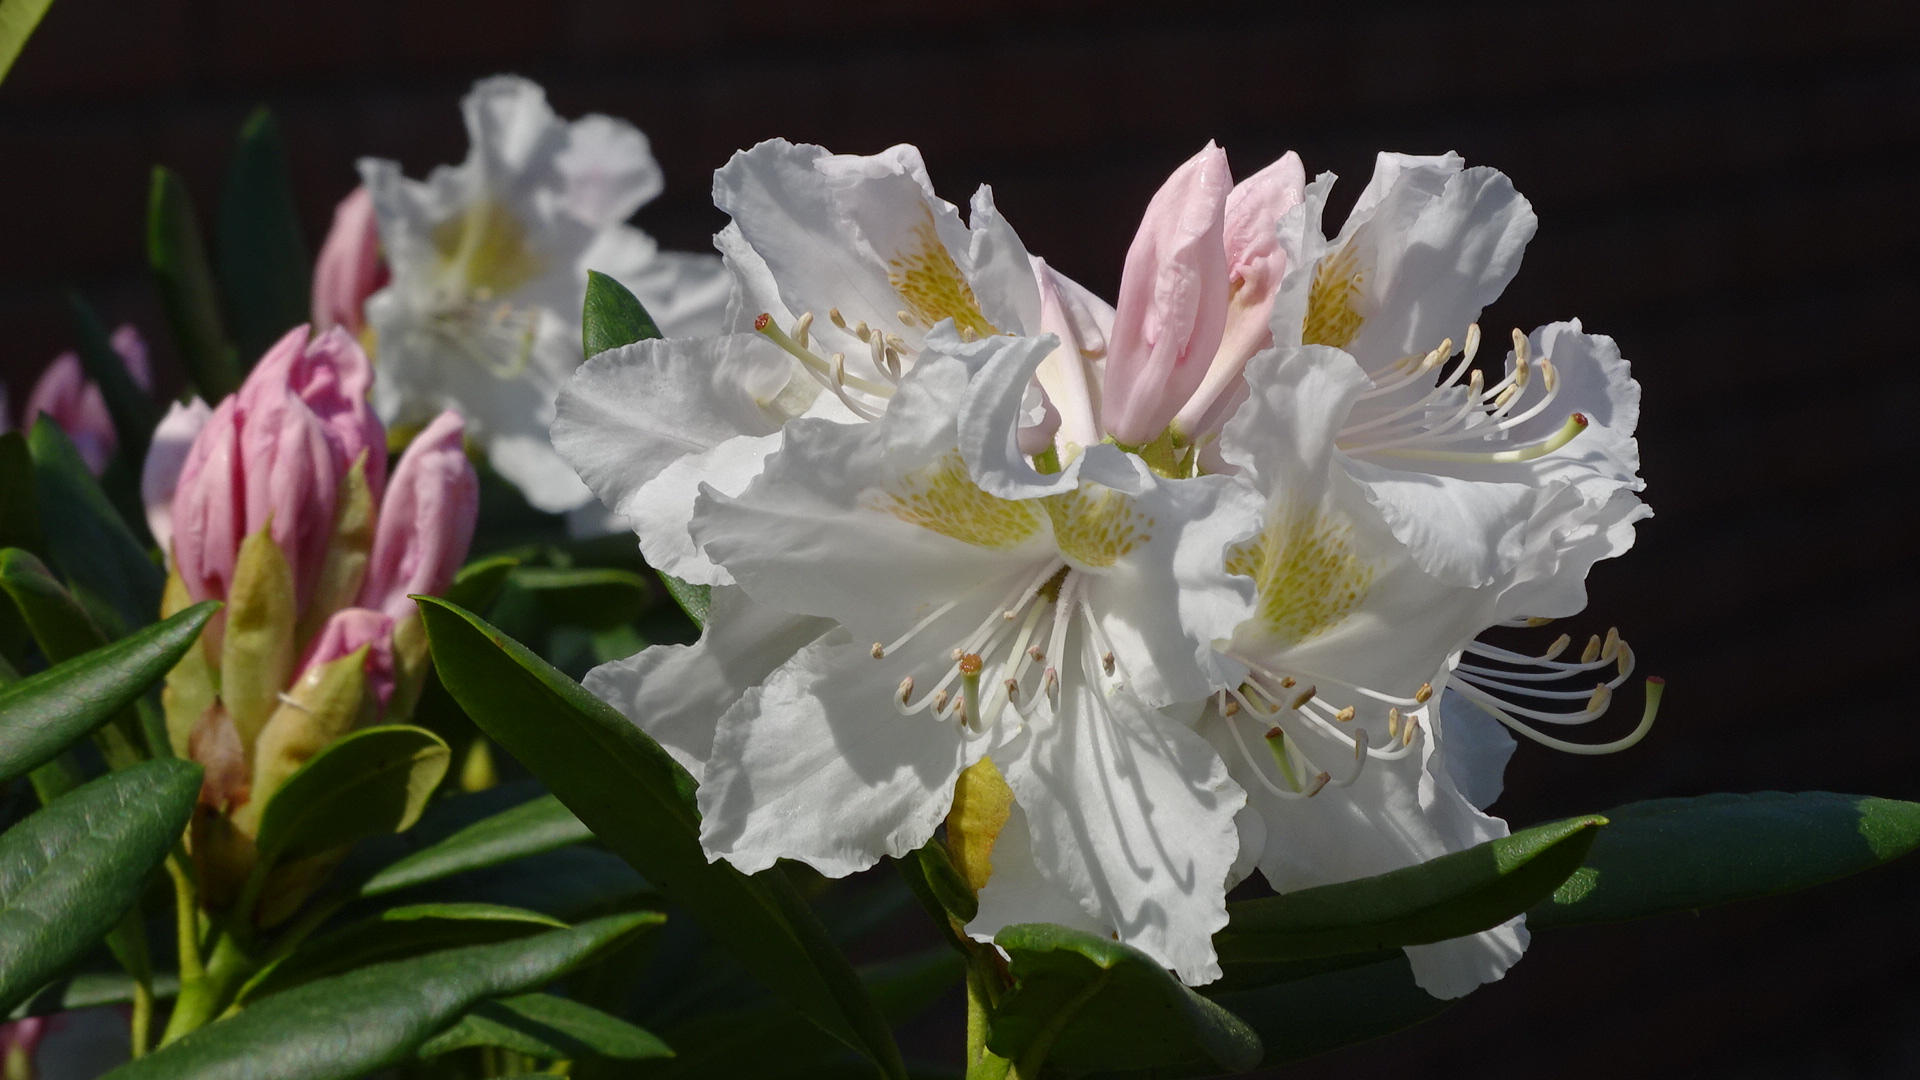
(1473, 341)
(1345, 714)
(1393, 723)
(800, 327)
(1229, 707)
(1655, 688)
(1592, 652)
(1107, 661)
(1576, 423)
(906, 689)
(906, 319)
(939, 701)
(1424, 694)
(1013, 688)
(834, 316)
(1612, 645)
(1033, 651)
(879, 651)
(1303, 697)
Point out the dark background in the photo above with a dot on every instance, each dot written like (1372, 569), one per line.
(1727, 188)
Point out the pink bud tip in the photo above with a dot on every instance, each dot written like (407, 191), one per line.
(345, 632)
(66, 396)
(426, 521)
(349, 268)
(166, 461)
(1173, 301)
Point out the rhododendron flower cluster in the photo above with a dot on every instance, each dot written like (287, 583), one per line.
(1187, 586)
(283, 508)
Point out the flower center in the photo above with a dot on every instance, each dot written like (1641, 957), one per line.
(484, 256)
(1305, 572)
(931, 284)
(1333, 300)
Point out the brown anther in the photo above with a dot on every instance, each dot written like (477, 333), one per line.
(1034, 654)
(1106, 662)
(906, 318)
(970, 664)
(1521, 351)
(1406, 733)
(1537, 620)
(800, 327)
(1303, 697)
(1231, 708)
(1602, 696)
(940, 701)
(1623, 660)
(1612, 644)
(1013, 688)
(1424, 694)
(955, 655)
(1345, 714)
(1275, 733)
(1010, 614)
(834, 316)
(879, 651)
(1393, 723)
(1286, 682)
(1319, 783)
(1592, 651)
(1559, 646)
(906, 689)
(860, 330)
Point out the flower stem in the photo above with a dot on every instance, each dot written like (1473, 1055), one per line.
(982, 1063)
(141, 1025)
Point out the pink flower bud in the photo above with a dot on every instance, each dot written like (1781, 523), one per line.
(133, 350)
(349, 268)
(426, 520)
(1173, 301)
(1255, 265)
(71, 400)
(166, 461)
(275, 453)
(209, 511)
(345, 632)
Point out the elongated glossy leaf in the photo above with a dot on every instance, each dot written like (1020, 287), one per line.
(43, 715)
(1454, 895)
(69, 872)
(90, 990)
(352, 1024)
(770, 1040)
(478, 582)
(593, 597)
(60, 626)
(612, 317)
(1668, 855)
(639, 802)
(265, 271)
(373, 781)
(395, 934)
(1082, 1003)
(17, 20)
(134, 413)
(96, 551)
(535, 826)
(178, 258)
(545, 1026)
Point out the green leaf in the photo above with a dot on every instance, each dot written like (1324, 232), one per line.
(70, 871)
(537, 825)
(43, 715)
(96, 551)
(178, 260)
(1302, 1019)
(351, 1024)
(19, 508)
(639, 802)
(91, 990)
(265, 271)
(1668, 855)
(133, 412)
(695, 600)
(769, 1039)
(612, 317)
(60, 626)
(373, 781)
(545, 1026)
(1448, 897)
(596, 598)
(395, 934)
(17, 20)
(1082, 1002)
(478, 582)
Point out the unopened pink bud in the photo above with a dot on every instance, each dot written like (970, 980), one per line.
(133, 351)
(1173, 301)
(426, 520)
(166, 461)
(349, 268)
(345, 632)
(331, 376)
(1255, 264)
(66, 396)
(209, 510)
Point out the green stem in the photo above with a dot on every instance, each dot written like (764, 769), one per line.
(142, 1022)
(982, 1063)
(201, 1000)
(186, 905)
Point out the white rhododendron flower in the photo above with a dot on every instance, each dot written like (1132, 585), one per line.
(840, 264)
(947, 624)
(489, 262)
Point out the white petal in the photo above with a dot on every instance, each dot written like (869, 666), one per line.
(609, 170)
(814, 764)
(1456, 968)
(992, 412)
(166, 456)
(1131, 814)
(1465, 532)
(1475, 749)
(677, 693)
(510, 128)
(1019, 893)
(1000, 269)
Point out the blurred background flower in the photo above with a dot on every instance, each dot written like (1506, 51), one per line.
(1672, 152)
